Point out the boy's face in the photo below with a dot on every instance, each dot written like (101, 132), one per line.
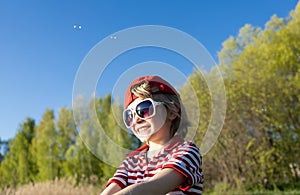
(144, 128)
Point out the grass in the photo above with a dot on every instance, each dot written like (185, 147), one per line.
(63, 187)
(68, 187)
(262, 192)
(258, 193)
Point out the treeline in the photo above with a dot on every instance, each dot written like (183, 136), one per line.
(258, 148)
(3, 148)
(54, 149)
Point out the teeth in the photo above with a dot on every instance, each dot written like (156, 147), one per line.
(142, 129)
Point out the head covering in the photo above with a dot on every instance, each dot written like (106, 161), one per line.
(156, 83)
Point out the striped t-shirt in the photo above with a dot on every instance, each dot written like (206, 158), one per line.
(180, 155)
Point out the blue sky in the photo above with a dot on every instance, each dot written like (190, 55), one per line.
(41, 51)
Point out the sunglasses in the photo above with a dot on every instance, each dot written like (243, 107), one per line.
(144, 110)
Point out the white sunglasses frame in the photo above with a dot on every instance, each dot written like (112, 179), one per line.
(154, 103)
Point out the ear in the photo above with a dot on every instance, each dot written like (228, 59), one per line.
(172, 114)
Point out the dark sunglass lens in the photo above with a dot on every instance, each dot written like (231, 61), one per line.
(128, 117)
(144, 109)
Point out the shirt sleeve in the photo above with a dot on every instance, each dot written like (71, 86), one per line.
(121, 176)
(187, 160)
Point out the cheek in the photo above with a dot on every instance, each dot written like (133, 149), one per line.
(160, 118)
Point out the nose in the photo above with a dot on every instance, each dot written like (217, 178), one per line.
(136, 119)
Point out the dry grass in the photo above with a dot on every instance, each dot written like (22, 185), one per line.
(57, 187)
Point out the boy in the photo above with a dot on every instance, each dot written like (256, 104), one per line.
(166, 164)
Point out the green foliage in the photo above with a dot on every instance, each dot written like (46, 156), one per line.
(66, 139)
(18, 167)
(45, 148)
(259, 145)
(54, 149)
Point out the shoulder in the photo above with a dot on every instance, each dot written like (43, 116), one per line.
(190, 147)
(138, 151)
(187, 147)
(187, 152)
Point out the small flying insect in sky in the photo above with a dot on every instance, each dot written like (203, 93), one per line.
(77, 26)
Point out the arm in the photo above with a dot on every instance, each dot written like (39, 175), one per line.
(111, 189)
(161, 183)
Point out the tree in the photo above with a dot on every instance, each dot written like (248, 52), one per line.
(46, 148)
(18, 167)
(66, 138)
(260, 139)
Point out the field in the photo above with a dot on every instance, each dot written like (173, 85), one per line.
(63, 187)
(292, 192)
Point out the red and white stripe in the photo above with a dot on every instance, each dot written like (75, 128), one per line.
(181, 156)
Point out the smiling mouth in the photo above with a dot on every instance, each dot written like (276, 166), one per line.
(143, 130)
